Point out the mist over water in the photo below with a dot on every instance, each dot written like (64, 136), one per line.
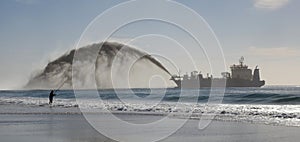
(116, 66)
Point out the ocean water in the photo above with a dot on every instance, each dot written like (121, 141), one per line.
(273, 105)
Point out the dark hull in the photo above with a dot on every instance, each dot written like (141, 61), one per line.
(218, 83)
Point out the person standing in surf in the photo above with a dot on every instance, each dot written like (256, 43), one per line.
(51, 95)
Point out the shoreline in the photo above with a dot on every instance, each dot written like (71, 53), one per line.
(65, 128)
(21, 109)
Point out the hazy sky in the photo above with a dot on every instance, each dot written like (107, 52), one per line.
(265, 32)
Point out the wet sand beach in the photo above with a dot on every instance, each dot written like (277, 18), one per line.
(72, 127)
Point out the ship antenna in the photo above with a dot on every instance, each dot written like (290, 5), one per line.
(242, 60)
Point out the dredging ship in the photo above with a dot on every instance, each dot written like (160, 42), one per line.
(240, 76)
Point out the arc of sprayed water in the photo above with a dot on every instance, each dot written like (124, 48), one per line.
(153, 60)
(146, 56)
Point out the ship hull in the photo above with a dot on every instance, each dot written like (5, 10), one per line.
(218, 83)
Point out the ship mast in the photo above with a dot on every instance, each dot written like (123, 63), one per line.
(242, 61)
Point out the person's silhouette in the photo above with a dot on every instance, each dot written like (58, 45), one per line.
(51, 95)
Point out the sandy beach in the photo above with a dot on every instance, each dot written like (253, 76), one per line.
(44, 124)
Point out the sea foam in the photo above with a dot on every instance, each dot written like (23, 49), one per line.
(286, 115)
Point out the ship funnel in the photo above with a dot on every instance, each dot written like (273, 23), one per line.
(256, 77)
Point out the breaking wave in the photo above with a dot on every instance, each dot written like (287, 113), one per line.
(268, 105)
(286, 115)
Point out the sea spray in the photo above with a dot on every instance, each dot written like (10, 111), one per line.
(112, 57)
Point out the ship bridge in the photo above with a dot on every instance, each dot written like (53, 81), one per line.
(241, 71)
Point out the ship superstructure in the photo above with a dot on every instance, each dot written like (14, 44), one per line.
(240, 76)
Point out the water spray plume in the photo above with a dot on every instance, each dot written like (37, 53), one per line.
(58, 73)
